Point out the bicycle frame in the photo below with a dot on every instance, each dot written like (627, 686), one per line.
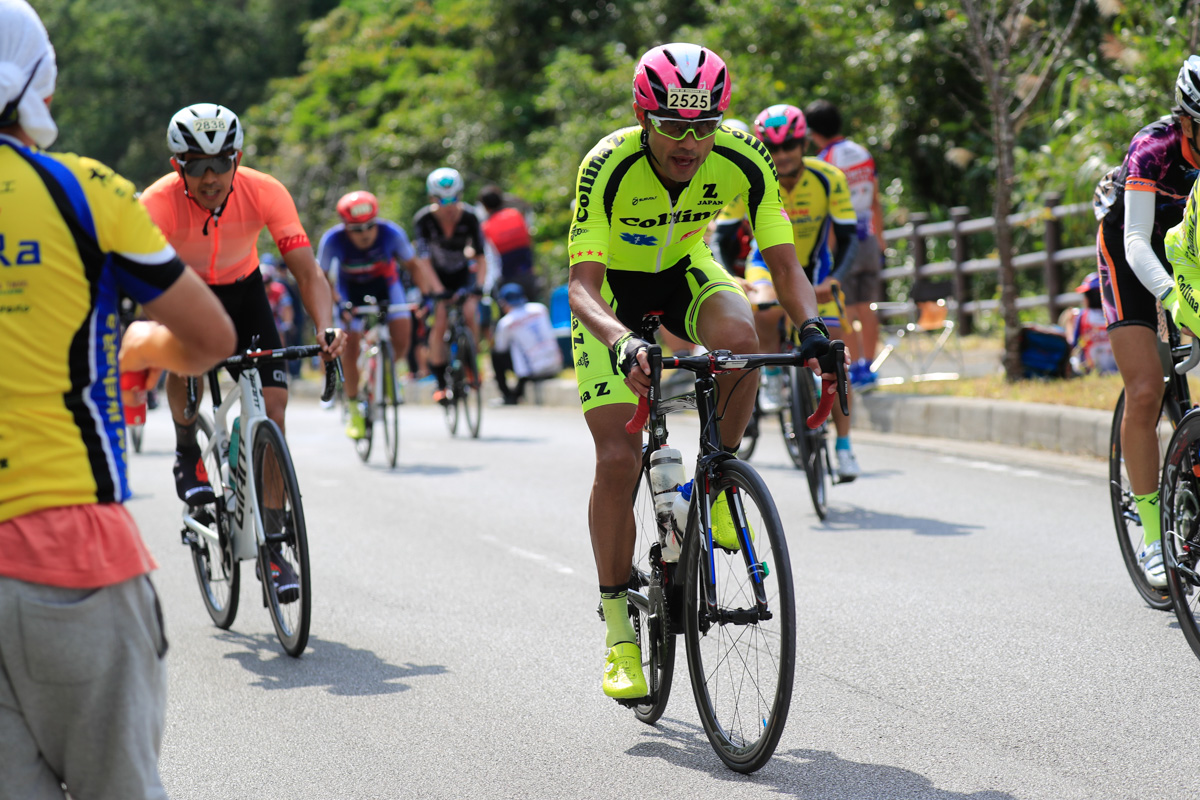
(247, 531)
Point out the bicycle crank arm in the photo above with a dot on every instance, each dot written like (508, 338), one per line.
(741, 616)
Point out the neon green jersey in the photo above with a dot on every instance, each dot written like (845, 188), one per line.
(1183, 251)
(624, 217)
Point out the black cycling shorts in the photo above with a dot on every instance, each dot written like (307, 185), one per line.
(247, 305)
(1126, 299)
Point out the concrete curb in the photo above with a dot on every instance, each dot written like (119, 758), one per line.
(1063, 429)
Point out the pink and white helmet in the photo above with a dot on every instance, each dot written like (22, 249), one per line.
(682, 80)
(780, 123)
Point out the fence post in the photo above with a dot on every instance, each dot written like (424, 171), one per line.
(1053, 270)
(962, 289)
(919, 253)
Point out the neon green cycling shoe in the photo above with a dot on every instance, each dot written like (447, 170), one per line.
(623, 676)
(724, 531)
(356, 427)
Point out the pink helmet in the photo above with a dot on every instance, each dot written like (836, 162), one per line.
(358, 207)
(682, 80)
(780, 123)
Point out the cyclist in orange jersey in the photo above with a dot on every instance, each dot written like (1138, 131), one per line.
(213, 221)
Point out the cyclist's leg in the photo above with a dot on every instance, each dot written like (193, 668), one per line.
(607, 405)
(350, 365)
(720, 318)
(399, 322)
(1132, 315)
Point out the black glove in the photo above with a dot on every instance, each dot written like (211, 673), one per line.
(814, 340)
(626, 349)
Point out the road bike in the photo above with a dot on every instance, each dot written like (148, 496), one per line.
(464, 388)
(1177, 401)
(1179, 507)
(381, 395)
(257, 514)
(735, 609)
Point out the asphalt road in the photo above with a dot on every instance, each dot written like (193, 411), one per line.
(966, 630)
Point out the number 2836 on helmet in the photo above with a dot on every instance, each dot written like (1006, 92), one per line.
(204, 128)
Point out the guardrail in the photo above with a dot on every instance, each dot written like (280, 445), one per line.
(960, 267)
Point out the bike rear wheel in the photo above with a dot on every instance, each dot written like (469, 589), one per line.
(389, 406)
(814, 448)
(741, 642)
(278, 496)
(1125, 513)
(1179, 500)
(654, 578)
(472, 386)
(216, 566)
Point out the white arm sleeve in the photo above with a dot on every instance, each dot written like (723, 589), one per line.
(1139, 225)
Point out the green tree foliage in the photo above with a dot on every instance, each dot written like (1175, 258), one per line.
(125, 66)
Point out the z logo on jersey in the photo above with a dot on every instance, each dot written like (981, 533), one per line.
(640, 239)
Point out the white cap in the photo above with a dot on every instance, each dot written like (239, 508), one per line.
(28, 71)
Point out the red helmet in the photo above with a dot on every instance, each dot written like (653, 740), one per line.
(682, 80)
(358, 207)
(779, 124)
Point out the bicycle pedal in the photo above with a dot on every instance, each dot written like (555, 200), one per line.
(634, 702)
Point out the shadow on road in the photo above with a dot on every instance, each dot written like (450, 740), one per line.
(344, 670)
(850, 518)
(800, 773)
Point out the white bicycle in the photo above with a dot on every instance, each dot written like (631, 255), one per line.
(257, 514)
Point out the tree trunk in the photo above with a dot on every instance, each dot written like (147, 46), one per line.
(1008, 276)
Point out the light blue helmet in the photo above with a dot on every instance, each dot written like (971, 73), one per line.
(445, 184)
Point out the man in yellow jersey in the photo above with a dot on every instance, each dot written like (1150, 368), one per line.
(816, 198)
(644, 198)
(82, 675)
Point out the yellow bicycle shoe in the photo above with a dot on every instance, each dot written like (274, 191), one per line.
(623, 676)
(724, 531)
(356, 427)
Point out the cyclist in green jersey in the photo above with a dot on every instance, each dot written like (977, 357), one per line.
(644, 198)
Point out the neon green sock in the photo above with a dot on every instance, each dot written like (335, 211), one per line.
(616, 617)
(1147, 506)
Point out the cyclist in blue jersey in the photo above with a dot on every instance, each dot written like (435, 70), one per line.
(360, 256)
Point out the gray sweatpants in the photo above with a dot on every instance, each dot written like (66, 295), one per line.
(83, 691)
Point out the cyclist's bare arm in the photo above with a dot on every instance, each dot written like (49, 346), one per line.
(588, 306)
(190, 332)
(316, 295)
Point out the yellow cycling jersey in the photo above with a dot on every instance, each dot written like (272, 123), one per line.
(820, 197)
(734, 212)
(72, 237)
(626, 220)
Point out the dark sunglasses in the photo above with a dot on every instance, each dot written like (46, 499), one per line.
(360, 227)
(787, 147)
(196, 167)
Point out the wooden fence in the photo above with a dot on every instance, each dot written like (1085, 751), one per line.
(960, 266)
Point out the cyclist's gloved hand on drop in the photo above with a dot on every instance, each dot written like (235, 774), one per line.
(1185, 314)
(813, 346)
(332, 349)
(633, 363)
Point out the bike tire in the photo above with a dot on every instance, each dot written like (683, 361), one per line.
(216, 566)
(1179, 496)
(472, 386)
(791, 417)
(278, 496)
(1125, 514)
(655, 632)
(742, 671)
(389, 406)
(814, 446)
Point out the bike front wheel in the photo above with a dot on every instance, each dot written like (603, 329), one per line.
(655, 580)
(1125, 513)
(215, 563)
(791, 416)
(472, 387)
(285, 551)
(389, 406)
(739, 623)
(1179, 501)
(814, 448)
